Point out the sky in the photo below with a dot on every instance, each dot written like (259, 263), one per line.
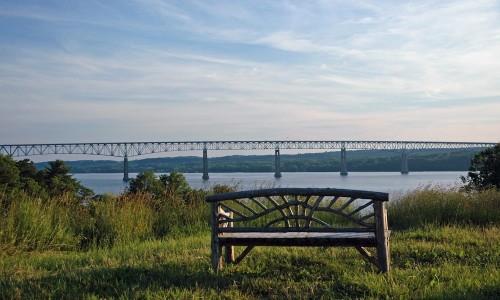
(153, 70)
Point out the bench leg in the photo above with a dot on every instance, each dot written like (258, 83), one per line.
(216, 255)
(382, 233)
(383, 255)
(229, 251)
(368, 256)
(217, 258)
(243, 254)
(215, 244)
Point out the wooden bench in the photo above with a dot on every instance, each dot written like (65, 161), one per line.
(299, 217)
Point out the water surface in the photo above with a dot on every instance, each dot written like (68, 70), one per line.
(376, 181)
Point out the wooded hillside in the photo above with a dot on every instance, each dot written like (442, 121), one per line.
(357, 161)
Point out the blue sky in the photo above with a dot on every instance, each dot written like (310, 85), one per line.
(152, 70)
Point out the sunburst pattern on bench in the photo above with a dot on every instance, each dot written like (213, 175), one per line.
(299, 217)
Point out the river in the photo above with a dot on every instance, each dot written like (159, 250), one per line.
(392, 182)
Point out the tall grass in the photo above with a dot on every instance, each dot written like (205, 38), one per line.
(35, 224)
(444, 206)
(29, 224)
(116, 219)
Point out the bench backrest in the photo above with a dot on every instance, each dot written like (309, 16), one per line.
(297, 209)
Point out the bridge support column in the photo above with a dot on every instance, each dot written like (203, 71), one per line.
(404, 162)
(343, 162)
(205, 164)
(125, 169)
(277, 164)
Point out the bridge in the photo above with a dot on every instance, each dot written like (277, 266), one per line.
(132, 149)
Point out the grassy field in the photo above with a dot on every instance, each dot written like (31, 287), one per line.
(445, 245)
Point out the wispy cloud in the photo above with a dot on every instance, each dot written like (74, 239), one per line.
(181, 70)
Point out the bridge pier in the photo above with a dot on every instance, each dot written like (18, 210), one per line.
(404, 162)
(125, 169)
(205, 165)
(277, 164)
(343, 162)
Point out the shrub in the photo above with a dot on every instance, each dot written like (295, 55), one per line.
(444, 206)
(116, 219)
(484, 170)
(29, 224)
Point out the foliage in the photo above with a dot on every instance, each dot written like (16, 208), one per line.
(171, 186)
(30, 179)
(116, 220)
(147, 251)
(444, 206)
(484, 171)
(57, 223)
(53, 181)
(146, 182)
(29, 223)
(175, 183)
(9, 173)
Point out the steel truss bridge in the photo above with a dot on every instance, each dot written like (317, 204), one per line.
(131, 149)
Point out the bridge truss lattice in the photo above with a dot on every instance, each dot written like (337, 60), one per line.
(131, 149)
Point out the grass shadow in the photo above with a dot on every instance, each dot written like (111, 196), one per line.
(118, 282)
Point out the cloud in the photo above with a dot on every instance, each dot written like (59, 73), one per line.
(230, 70)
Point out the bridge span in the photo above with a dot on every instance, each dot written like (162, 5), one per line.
(132, 149)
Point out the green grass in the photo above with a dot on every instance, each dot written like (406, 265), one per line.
(443, 206)
(53, 224)
(433, 262)
(445, 244)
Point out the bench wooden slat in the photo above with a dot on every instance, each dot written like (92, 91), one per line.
(313, 210)
(379, 196)
(293, 229)
(367, 239)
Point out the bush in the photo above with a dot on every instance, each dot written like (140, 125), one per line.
(116, 219)
(444, 206)
(29, 224)
(53, 181)
(484, 170)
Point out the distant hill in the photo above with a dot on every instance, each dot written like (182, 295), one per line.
(357, 161)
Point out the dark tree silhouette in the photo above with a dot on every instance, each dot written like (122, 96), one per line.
(484, 171)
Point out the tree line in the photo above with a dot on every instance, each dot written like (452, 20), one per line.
(54, 180)
(358, 161)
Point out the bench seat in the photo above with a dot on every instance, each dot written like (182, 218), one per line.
(367, 239)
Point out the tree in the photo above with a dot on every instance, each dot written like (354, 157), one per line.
(27, 169)
(175, 183)
(9, 173)
(58, 181)
(52, 181)
(31, 180)
(147, 182)
(484, 170)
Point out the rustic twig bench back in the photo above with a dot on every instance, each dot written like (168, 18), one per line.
(299, 217)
